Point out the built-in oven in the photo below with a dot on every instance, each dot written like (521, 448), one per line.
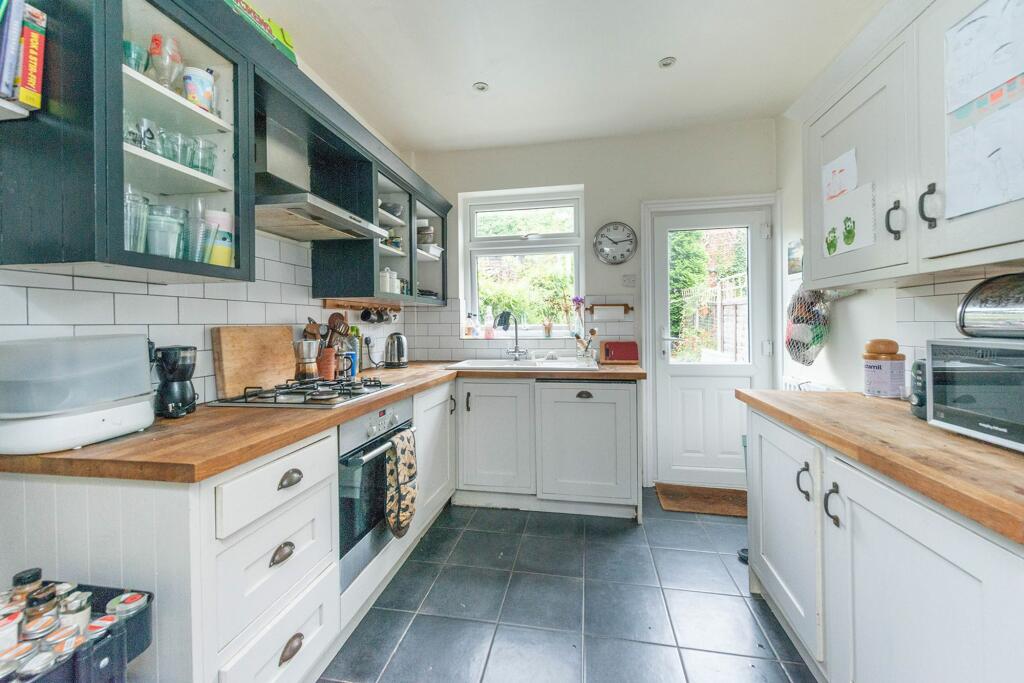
(976, 387)
(362, 483)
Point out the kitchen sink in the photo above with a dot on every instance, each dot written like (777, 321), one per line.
(559, 365)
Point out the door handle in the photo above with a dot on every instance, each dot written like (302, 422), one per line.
(282, 554)
(824, 503)
(451, 411)
(920, 207)
(290, 479)
(468, 394)
(896, 234)
(805, 468)
(584, 394)
(291, 648)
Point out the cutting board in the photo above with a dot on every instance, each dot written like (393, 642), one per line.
(251, 356)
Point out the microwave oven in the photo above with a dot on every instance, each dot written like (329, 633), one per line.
(976, 388)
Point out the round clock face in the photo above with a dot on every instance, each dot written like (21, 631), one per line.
(615, 243)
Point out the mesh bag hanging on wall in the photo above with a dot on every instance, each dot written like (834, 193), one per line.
(808, 322)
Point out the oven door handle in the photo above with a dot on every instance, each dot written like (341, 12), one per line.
(360, 460)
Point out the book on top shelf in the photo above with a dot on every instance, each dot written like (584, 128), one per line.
(28, 84)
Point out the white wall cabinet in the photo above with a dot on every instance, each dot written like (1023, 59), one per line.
(912, 595)
(586, 441)
(496, 451)
(434, 417)
(785, 524)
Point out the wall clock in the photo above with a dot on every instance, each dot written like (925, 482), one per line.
(615, 243)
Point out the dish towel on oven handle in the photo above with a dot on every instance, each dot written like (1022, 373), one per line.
(402, 485)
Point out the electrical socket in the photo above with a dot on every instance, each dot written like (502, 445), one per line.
(368, 341)
(629, 280)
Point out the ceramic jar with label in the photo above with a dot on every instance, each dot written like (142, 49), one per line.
(884, 369)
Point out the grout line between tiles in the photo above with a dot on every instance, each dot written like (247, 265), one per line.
(501, 607)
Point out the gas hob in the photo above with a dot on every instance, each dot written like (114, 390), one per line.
(324, 394)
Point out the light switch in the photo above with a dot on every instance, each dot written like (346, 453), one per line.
(629, 280)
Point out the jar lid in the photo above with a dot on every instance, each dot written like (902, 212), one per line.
(881, 346)
(40, 663)
(98, 627)
(19, 652)
(10, 620)
(37, 628)
(66, 648)
(27, 576)
(883, 356)
(66, 588)
(127, 603)
(60, 635)
(41, 596)
(76, 601)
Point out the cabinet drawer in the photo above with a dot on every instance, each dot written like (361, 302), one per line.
(257, 570)
(254, 494)
(314, 617)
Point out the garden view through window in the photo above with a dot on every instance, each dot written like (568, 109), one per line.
(708, 302)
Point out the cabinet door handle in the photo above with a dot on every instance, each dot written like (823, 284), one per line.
(584, 394)
(824, 502)
(291, 648)
(920, 207)
(468, 394)
(805, 468)
(290, 479)
(282, 554)
(454, 405)
(896, 234)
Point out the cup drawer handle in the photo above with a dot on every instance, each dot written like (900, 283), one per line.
(290, 479)
(584, 394)
(291, 648)
(282, 554)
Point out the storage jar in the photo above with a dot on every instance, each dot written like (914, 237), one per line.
(884, 369)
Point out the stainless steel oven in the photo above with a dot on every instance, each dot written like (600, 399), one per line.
(976, 388)
(362, 483)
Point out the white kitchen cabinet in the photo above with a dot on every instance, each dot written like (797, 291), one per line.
(999, 225)
(586, 441)
(433, 415)
(496, 450)
(783, 496)
(874, 118)
(911, 594)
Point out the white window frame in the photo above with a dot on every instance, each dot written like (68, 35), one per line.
(472, 247)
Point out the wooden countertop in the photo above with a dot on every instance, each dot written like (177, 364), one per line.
(215, 439)
(983, 482)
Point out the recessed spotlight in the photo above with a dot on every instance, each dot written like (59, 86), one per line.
(666, 62)
(480, 86)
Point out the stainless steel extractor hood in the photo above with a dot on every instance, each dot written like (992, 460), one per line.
(305, 217)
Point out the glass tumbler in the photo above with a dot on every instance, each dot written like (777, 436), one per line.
(135, 56)
(176, 146)
(205, 158)
(136, 215)
(163, 231)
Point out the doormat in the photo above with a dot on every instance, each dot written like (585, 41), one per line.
(676, 498)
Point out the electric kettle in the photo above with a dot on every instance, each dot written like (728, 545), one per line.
(396, 351)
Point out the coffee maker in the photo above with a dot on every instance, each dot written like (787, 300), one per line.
(175, 397)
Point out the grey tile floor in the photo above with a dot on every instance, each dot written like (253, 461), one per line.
(502, 595)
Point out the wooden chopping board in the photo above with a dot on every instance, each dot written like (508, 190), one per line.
(251, 356)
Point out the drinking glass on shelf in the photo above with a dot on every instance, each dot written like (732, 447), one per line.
(135, 56)
(149, 136)
(136, 214)
(165, 61)
(177, 146)
(131, 130)
(205, 158)
(202, 234)
(163, 231)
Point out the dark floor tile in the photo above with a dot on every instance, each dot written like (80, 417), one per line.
(722, 623)
(727, 538)
(738, 571)
(437, 649)
(665, 533)
(618, 610)
(711, 667)
(615, 661)
(545, 601)
(368, 648)
(722, 519)
(777, 636)
(624, 563)
(614, 530)
(799, 673)
(554, 525)
(653, 509)
(454, 517)
(436, 545)
(483, 549)
(469, 592)
(409, 585)
(693, 571)
(560, 556)
(503, 521)
(526, 654)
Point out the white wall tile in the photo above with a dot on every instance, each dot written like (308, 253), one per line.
(192, 289)
(28, 278)
(267, 248)
(280, 314)
(13, 306)
(177, 335)
(914, 334)
(246, 313)
(275, 271)
(225, 290)
(264, 291)
(935, 308)
(89, 284)
(259, 269)
(295, 294)
(204, 364)
(303, 276)
(18, 332)
(94, 330)
(922, 290)
(294, 254)
(202, 311)
(957, 287)
(59, 307)
(905, 309)
(143, 308)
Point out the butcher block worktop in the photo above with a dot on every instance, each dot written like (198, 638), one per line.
(215, 439)
(984, 483)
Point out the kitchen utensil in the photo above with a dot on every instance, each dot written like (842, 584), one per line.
(348, 364)
(64, 392)
(366, 315)
(311, 330)
(198, 87)
(251, 356)
(175, 397)
(165, 59)
(396, 351)
(327, 363)
(306, 353)
(149, 136)
(205, 158)
(136, 216)
(164, 226)
(993, 308)
(135, 56)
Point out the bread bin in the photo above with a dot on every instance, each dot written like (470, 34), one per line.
(994, 308)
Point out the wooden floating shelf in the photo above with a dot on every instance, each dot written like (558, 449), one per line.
(9, 111)
(389, 220)
(391, 251)
(368, 302)
(144, 98)
(157, 175)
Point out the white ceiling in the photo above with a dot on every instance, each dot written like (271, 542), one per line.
(563, 69)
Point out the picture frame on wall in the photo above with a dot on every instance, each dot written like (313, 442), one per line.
(795, 257)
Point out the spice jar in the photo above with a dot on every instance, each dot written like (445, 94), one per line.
(27, 581)
(99, 627)
(20, 652)
(884, 369)
(9, 626)
(76, 611)
(37, 665)
(66, 648)
(39, 628)
(41, 602)
(127, 603)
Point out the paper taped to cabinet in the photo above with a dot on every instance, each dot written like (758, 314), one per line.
(850, 221)
(985, 162)
(839, 176)
(983, 51)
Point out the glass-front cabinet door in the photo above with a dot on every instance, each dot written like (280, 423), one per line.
(183, 123)
(430, 254)
(394, 208)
